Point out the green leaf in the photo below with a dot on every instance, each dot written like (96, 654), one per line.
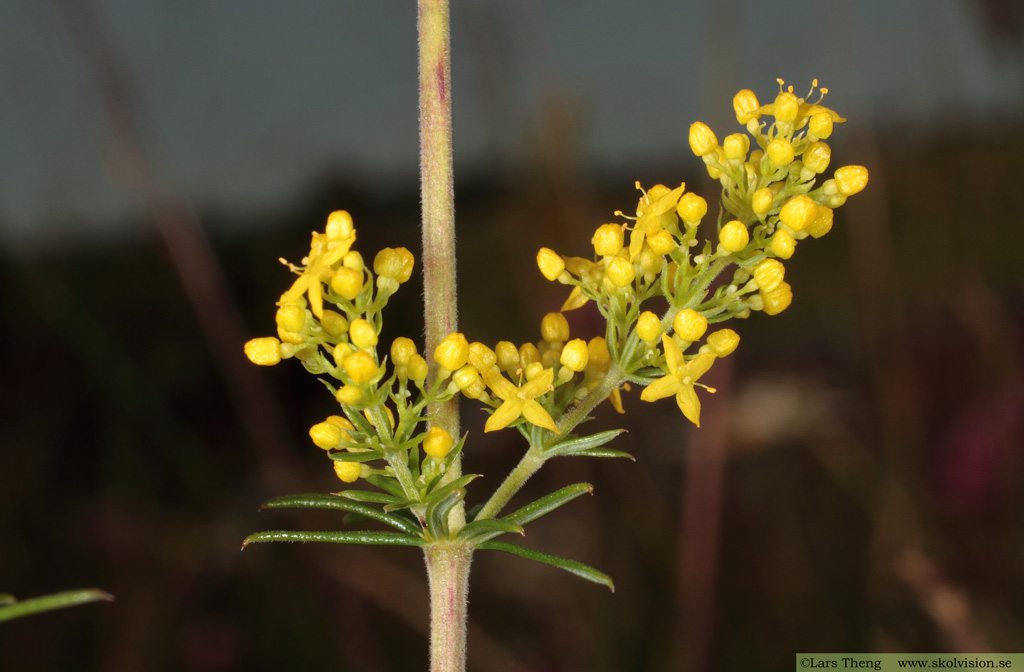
(368, 496)
(443, 490)
(547, 504)
(574, 445)
(482, 530)
(437, 513)
(388, 484)
(345, 456)
(11, 609)
(578, 568)
(601, 452)
(354, 537)
(335, 503)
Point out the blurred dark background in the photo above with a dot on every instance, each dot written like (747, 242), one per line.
(855, 485)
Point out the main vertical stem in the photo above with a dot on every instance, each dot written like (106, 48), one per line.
(447, 563)
(448, 571)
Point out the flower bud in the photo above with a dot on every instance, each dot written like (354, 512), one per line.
(780, 152)
(851, 179)
(620, 272)
(291, 317)
(816, 156)
(822, 222)
(347, 282)
(735, 146)
(723, 342)
(417, 368)
(550, 263)
(334, 323)
(798, 212)
(702, 139)
(599, 355)
(482, 357)
(782, 245)
(608, 239)
(528, 354)
(348, 472)
(787, 106)
(554, 328)
(395, 263)
(264, 351)
(438, 443)
(733, 237)
(648, 327)
(453, 352)
(761, 200)
(769, 274)
(402, 350)
(362, 334)
(326, 435)
(349, 395)
(691, 208)
(689, 325)
(468, 380)
(575, 355)
(360, 366)
(745, 105)
(820, 125)
(339, 226)
(507, 356)
(778, 299)
(661, 242)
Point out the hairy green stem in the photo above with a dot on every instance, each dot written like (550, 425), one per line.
(535, 458)
(448, 571)
(447, 562)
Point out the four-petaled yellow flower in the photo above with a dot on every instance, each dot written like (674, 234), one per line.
(520, 401)
(683, 376)
(317, 268)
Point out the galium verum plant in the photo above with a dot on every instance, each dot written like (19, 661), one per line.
(773, 197)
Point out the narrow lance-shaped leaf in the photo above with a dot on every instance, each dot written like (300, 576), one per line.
(345, 537)
(547, 504)
(577, 444)
(488, 528)
(437, 513)
(578, 568)
(335, 503)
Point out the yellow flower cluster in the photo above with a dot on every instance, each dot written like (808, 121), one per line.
(770, 201)
(533, 381)
(342, 341)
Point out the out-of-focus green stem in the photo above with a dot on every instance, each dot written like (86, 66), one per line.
(58, 601)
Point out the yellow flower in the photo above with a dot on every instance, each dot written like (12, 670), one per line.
(520, 401)
(683, 376)
(317, 268)
(787, 107)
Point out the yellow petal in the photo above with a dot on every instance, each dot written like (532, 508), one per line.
(636, 242)
(539, 385)
(661, 388)
(666, 202)
(576, 300)
(500, 385)
(505, 414)
(316, 300)
(695, 368)
(673, 355)
(615, 398)
(536, 414)
(689, 404)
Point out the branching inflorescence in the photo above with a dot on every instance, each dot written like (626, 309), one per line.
(771, 200)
